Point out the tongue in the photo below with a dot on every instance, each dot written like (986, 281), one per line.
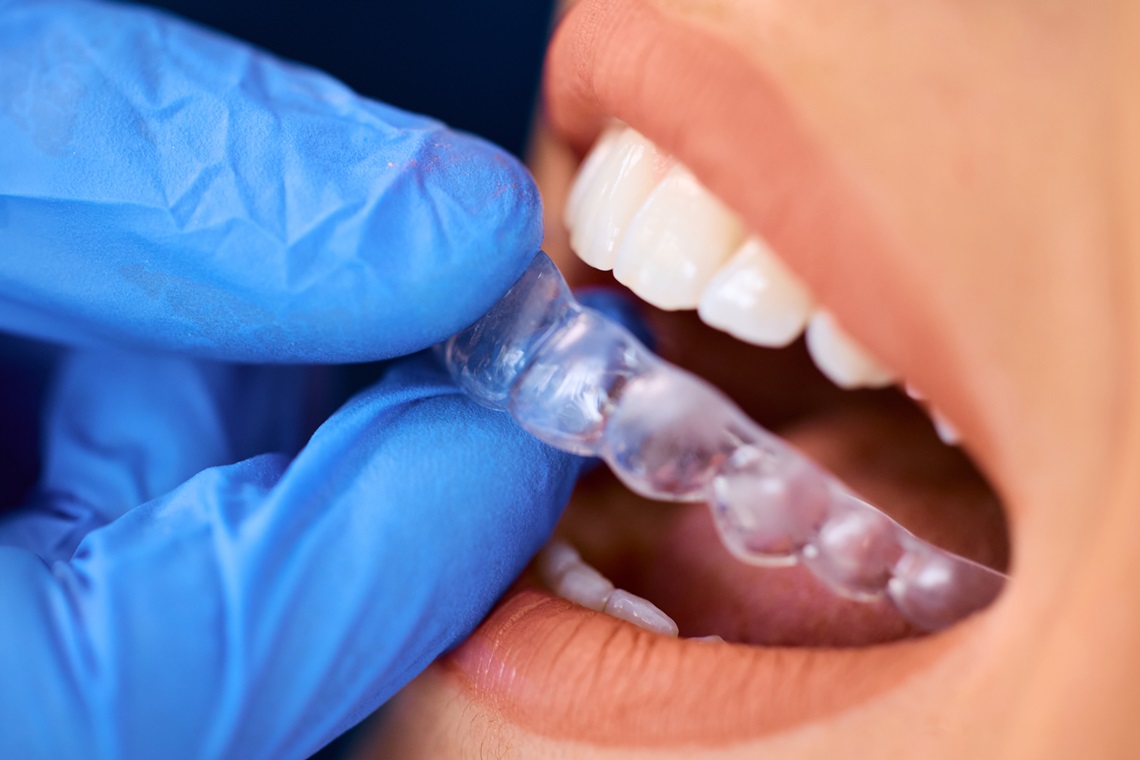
(671, 555)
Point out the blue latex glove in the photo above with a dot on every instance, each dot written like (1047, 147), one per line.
(227, 203)
(171, 590)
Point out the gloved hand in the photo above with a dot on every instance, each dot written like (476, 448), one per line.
(168, 198)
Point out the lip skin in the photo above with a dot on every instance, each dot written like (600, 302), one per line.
(564, 672)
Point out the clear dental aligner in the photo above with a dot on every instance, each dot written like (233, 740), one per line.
(584, 384)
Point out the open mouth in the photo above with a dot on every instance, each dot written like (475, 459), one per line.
(635, 627)
(643, 214)
(620, 560)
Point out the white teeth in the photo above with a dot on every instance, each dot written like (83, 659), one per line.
(757, 299)
(838, 356)
(587, 173)
(713, 638)
(675, 242)
(608, 195)
(555, 559)
(563, 570)
(641, 612)
(669, 243)
(584, 585)
(947, 433)
(566, 574)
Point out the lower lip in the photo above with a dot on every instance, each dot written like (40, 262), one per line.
(564, 672)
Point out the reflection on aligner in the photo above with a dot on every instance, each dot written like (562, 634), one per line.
(583, 384)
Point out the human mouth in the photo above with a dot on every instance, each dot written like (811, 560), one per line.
(642, 213)
(794, 608)
(581, 383)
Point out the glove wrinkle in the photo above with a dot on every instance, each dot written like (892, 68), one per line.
(123, 428)
(233, 205)
(263, 607)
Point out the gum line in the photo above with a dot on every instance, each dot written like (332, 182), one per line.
(584, 384)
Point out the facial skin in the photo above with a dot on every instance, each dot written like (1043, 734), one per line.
(960, 183)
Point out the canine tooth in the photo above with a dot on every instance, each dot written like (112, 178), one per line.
(587, 174)
(623, 181)
(675, 242)
(584, 585)
(757, 299)
(947, 433)
(838, 356)
(641, 612)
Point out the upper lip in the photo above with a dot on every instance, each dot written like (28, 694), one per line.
(570, 673)
(702, 100)
(678, 84)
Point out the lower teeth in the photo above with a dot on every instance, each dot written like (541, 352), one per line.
(564, 571)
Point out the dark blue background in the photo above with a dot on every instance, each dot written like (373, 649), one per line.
(474, 63)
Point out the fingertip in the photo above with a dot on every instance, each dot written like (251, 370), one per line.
(476, 231)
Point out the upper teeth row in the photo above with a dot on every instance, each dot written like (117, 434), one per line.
(677, 246)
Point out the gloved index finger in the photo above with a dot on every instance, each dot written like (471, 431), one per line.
(163, 186)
